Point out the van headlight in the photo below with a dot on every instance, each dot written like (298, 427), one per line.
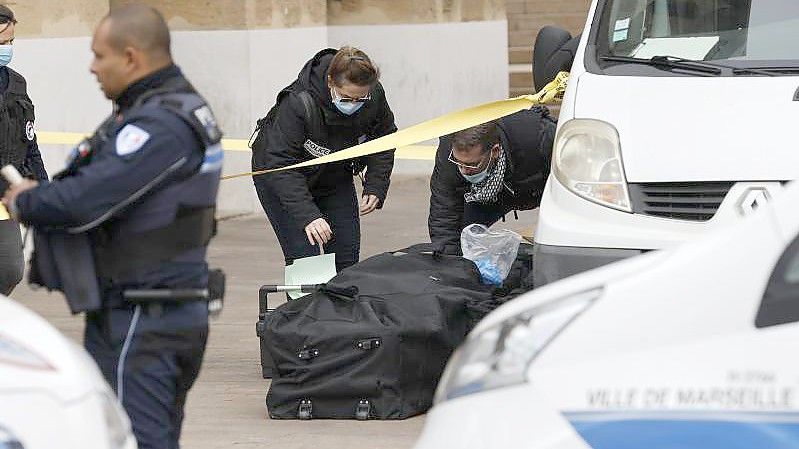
(587, 160)
(499, 356)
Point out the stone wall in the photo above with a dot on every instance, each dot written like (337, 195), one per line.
(374, 12)
(66, 18)
(61, 18)
(526, 17)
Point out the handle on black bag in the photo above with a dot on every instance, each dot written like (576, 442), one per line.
(305, 288)
(341, 293)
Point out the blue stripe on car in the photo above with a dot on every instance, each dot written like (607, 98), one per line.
(687, 430)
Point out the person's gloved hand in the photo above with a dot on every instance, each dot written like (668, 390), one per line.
(489, 272)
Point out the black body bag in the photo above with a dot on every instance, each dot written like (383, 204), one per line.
(373, 342)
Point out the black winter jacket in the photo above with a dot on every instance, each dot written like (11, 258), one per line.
(285, 138)
(527, 138)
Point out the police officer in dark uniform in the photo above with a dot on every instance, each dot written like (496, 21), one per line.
(484, 172)
(336, 102)
(17, 147)
(143, 190)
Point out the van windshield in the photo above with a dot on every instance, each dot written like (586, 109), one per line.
(737, 33)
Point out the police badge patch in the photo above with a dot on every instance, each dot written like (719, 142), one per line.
(206, 118)
(130, 139)
(30, 132)
(314, 149)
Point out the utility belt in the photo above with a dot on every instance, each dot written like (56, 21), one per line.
(154, 300)
(77, 264)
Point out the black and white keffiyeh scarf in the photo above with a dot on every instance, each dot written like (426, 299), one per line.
(487, 190)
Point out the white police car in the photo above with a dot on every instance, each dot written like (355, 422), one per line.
(694, 347)
(51, 393)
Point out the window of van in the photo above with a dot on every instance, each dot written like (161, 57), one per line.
(780, 303)
(732, 33)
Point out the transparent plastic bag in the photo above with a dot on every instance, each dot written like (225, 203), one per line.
(492, 251)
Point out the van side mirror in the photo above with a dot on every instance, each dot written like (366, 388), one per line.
(553, 52)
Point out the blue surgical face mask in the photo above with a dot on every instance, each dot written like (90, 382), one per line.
(6, 52)
(347, 108)
(478, 177)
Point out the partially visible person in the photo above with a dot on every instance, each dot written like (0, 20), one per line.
(484, 172)
(17, 147)
(130, 219)
(336, 102)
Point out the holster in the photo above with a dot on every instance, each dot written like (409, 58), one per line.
(65, 262)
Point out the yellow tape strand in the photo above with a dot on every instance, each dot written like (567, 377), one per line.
(412, 152)
(405, 141)
(437, 127)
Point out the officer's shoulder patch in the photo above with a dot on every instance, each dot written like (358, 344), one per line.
(30, 132)
(130, 139)
(208, 121)
(205, 116)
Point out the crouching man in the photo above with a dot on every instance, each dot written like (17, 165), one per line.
(484, 172)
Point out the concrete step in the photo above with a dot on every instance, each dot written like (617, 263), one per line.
(521, 38)
(514, 7)
(520, 76)
(522, 32)
(574, 21)
(547, 7)
(520, 55)
(520, 79)
(517, 91)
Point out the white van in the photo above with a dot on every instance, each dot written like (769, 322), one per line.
(678, 119)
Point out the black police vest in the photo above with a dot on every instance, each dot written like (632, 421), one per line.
(172, 220)
(16, 123)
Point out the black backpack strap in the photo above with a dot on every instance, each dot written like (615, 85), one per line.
(313, 118)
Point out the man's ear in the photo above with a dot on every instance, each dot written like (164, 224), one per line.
(133, 59)
(495, 150)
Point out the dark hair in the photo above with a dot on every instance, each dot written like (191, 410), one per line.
(139, 26)
(485, 135)
(353, 66)
(6, 17)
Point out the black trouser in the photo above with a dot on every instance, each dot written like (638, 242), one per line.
(340, 209)
(150, 357)
(12, 263)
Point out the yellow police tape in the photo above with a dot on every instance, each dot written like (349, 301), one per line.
(405, 141)
(437, 127)
(413, 152)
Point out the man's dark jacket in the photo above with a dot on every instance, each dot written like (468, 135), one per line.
(526, 137)
(18, 144)
(284, 135)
